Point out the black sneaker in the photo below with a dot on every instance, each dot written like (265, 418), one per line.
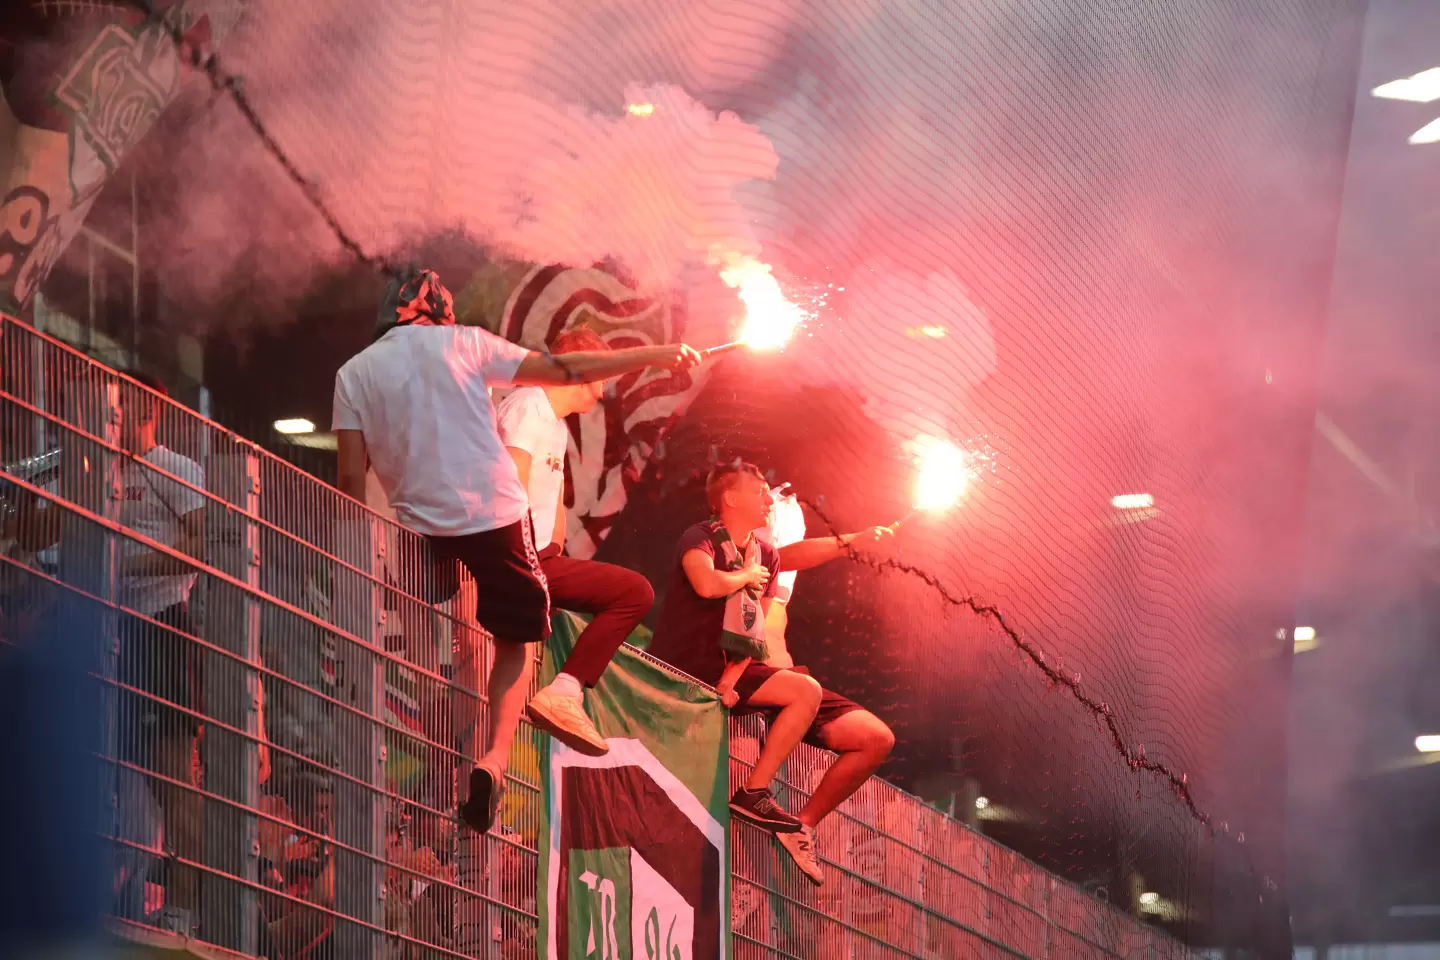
(478, 810)
(759, 807)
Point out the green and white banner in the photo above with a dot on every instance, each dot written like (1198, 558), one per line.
(633, 859)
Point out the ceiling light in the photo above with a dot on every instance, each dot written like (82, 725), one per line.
(1429, 743)
(1304, 633)
(981, 803)
(294, 425)
(1423, 87)
(1430, 133)
(1132, 501)
(1149, 898)
(640, 109)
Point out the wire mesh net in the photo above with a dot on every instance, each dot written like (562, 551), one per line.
(1087, 244)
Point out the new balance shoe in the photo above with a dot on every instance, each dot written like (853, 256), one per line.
(759, 807)
(801, 847)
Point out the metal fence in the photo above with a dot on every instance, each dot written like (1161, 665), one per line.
(283, 749)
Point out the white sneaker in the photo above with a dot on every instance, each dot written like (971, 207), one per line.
(801, 847)
(564, 719)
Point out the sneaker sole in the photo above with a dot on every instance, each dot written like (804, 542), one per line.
(579, 744)
(474, 814)
(774, 826)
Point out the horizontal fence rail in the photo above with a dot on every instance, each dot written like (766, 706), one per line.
(284, 748)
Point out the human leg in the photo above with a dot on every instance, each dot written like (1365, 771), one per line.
(512, 603)
(619, 599)
(862, 742)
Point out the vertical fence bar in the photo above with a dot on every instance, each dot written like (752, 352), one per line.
(359, 810)
(231, 621)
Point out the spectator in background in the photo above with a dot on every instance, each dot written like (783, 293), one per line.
(416, 402)
(161, 500)
(532, 426)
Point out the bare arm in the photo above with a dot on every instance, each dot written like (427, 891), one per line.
(587, 366)
(728, 678)
(153, 563)
(711, 583)
(351, 459)
(522, 466)
(804, 554)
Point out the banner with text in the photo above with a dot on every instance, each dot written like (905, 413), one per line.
(633, 860)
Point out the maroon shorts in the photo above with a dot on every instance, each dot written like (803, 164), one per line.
(832, 705)
(513, 600)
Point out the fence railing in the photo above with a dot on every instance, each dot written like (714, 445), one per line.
(336, 681)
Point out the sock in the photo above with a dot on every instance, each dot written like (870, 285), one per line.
(566, 686)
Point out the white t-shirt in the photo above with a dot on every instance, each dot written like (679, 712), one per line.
(528, 422)
(421, 397)
(787, 526)
(153, 506)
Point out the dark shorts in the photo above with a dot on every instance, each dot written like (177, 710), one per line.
(163, 663)
(832, 705)
(512, 602)
(417, 571)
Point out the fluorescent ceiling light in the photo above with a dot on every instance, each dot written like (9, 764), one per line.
(1429, 743)
(1423, 87)
(1304, 634)
(1132, 501)
(1149, 898)
(294, 425)
(1430, 133)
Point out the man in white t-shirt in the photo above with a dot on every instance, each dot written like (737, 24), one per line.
(416, 404)
(532, 426)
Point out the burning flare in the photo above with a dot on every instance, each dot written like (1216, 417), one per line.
(944, 473)
(770, 318)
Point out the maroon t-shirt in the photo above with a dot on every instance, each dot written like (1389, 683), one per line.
(688, 634)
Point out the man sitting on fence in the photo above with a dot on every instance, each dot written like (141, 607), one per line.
(416, 402)
(532, 425)
(716, 564)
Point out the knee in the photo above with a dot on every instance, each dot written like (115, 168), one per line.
(808, 691)
(639, 596)
(879, 739)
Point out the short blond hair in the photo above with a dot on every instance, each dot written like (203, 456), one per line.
(577, 339)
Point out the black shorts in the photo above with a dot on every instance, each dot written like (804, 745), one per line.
(417, 571)
(163, 663)
(832, 705)
(513, 601)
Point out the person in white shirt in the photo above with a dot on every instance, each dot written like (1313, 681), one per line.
(161, 500)
(416, 404)
(861, 739)
(532, 426)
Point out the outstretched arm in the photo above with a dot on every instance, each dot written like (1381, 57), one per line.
(804, 554)
(587, 366)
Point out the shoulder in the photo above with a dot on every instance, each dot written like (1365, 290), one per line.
(769, 555)
(176, 463)
(699, 536)
(524, 401)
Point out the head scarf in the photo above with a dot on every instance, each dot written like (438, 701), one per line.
(416, 298)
